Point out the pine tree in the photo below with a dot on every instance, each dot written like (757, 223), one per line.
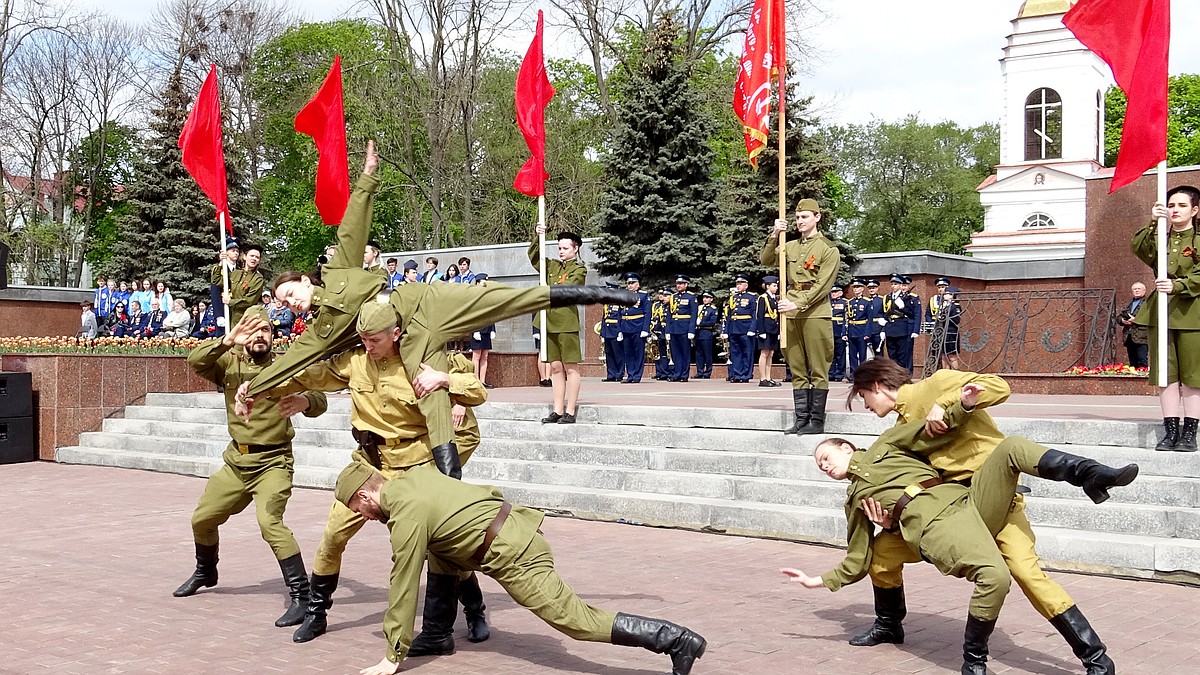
(658, 214)
(751, 202)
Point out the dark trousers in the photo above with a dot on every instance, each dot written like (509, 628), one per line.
(741, 357)
(634, 356)
(897, 350)
(837, 369)
(858, 351)
(1139, 355)
(614, 358)
(662, 367)
(704, 353)
(681, 354)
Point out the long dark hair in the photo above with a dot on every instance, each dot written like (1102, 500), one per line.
(878, 370)
(292, 275)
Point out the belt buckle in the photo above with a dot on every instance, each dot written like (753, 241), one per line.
(913, 490)
(243, 448)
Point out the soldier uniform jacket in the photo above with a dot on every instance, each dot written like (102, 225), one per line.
(636, 319)
(707, 317)
(766, 315)
(681, 314)
(559, 272)
(838, 310)
(812, 267)
(859, 317)
(610, 324)
(1183, 313)
(229, 368)
(245, 289)
(428, 511)
(739, 314)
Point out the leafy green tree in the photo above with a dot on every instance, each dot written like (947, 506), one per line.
(1183, 121)
(102, 164)
(912, 184)
(659, 211)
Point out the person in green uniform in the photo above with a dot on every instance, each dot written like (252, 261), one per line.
(886, 386)
(258, 462)
(428, 315)
(371, 261)
(562, 325)
(393, 438)
(246, 283)
(949, 524)
(812, 267)
(465, 526)
(1182, 286)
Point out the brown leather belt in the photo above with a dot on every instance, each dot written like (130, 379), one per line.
(909, 493)
(492, 531)
(802, 285)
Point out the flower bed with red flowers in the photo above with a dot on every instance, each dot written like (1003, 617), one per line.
(1109, 369)
(64, 344)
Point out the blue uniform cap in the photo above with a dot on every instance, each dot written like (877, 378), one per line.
(707, 294)
(741, 279)
(954, 290)
(836, 287)
(682, 278)
(482, 276)
(857, 282)
(770, 279)
(942, 281)
(872, 284)
(897, 279)
(633, 276)
(231, 243)
(410, 264)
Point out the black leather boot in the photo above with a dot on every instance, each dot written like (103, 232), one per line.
(1094, 477)
(205, 574)
(890, 611)
(802, 399)
(816, 416)
(1170, 435)
(567, 295)
(320, 599)
(660, 637)
(445, 456)
(297, 582)
(1187, 436)
(1084, 642)
(437, 622)
(471, 597)
(975, 645)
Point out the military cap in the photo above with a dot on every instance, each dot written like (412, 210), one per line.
(664, 290)
(808, 205)
(567, 234)
(872, 284)
(257, 311)
(682, 279)
(231, 243)
(770, 279)
(897, 279)
(373, 244)
(953, 290)
(633, 276)
(857, 281)
(942, 281)
(482, 276)
(907, 279)
(410, 264)
(375, 317)
(350, 480)
(741, 279)
(707, 294)
(835, 287)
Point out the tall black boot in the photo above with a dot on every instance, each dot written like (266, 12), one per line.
(471, 597)
(445, 456)
(1084, 642)
(802, 399)
(320, 599)
(1170, 435)
(816, 416)
(890, 611)
(660, 637)
(205, 574)
(297, 582)
(975, 645)
(566, 295)
(1094, 477)
(1187, 437)
(437, 622)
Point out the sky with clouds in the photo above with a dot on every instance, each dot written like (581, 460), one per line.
(885, 59)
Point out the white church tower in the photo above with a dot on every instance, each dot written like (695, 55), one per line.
(1051, 138)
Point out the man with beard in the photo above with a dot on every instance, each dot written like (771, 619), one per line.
(258, 462)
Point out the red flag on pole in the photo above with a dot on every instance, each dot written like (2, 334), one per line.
(324, 119)
(200, 143)
(534, 91)
(762, 53)
(1133, 38)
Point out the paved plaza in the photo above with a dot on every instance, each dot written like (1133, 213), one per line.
(90, 557)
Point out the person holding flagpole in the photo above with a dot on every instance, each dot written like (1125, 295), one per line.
(561, 339)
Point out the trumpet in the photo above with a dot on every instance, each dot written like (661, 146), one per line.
(596, 328)
(652, 347)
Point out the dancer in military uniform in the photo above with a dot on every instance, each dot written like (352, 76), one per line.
(739, 329)
(837, 306)
(885, 386)
(681, 328)
(634, 327)
(471, 527)
(257, 464)
(393, 438)
(812, 265)
(429, 315)
(766, 327)
(707, 318)
(951, 525)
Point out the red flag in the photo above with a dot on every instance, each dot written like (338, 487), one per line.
(324, 119)
(762, 55)
(534, 91)
(200, 143)
(1133, 37)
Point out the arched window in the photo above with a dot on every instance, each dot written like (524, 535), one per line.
(1043, 125)
(1038, 220)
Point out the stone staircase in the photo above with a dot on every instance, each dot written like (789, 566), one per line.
(719, 470)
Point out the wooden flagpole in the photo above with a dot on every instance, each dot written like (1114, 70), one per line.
(542, 273)
(1163, 297)
(783, 279)
(224, 272)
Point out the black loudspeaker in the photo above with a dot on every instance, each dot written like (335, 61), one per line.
(16, 395)
(3, 266)
(17, 442)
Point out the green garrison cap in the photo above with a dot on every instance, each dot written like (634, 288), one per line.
(808, 205)
(349, 480)
(375, 317)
